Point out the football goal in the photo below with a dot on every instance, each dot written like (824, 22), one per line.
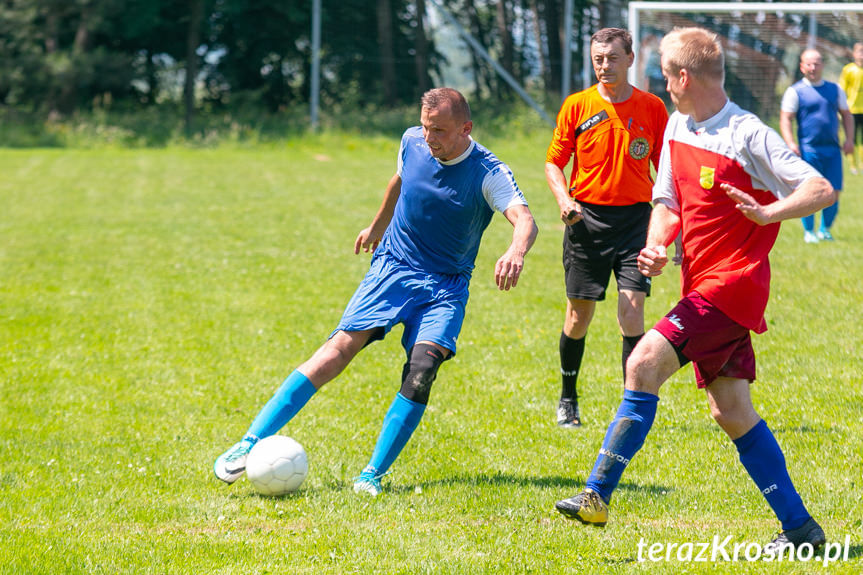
(762, 42)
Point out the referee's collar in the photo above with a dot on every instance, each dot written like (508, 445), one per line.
(462, 156)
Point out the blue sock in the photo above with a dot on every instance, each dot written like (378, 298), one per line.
(809, 223)
(828, 215)
(288, 400)
(624, 438)
(762, 457)
(399, 424)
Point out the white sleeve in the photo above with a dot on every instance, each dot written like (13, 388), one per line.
(401, 161)
(790, 101)
(843, 100)
(663, 188)
(500, 190)
(772, 164)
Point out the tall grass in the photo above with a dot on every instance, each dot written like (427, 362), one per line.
(163, 125)
(151, 301)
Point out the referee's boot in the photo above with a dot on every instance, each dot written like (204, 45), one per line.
(568, 414)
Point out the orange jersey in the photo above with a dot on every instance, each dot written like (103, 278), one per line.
(613, 146)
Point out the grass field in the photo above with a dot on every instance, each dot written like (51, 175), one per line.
(152, 300)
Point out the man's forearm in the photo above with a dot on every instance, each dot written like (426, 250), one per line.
(391, 196)
(557, 183)
(524, 232)
(664, 226)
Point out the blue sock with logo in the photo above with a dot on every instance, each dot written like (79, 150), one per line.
(828, 215)
(288, 400)
(762, 457)
(400, 422)
(624, 438)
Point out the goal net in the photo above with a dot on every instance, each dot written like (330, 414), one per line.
(762, 43)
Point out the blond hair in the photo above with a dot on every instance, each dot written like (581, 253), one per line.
(697, 50)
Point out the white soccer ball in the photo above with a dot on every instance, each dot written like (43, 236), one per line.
(277, 465)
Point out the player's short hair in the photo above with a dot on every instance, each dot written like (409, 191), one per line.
(434, 98)
(811, 52)
(697, 50)
(858, 45)
(609, 35)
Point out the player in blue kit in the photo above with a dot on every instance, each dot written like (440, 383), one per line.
(425, 238)
(817, 105)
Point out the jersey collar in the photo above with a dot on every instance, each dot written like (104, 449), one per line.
(817, 84)
(462, 156)
(707, 124)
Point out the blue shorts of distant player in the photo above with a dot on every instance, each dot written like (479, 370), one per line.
(431, 306)
(828, 161)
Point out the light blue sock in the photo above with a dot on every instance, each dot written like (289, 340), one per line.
(288, 400)
(400, 422)
(624, 438)
(828, 215)
(762, 457)
(808, 223)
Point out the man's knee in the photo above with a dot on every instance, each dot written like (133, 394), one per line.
(579, 314)
(734, 421)
(652, 362)
(630, 317)
(420, 371)
(641, 359)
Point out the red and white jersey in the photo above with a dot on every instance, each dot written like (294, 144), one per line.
(725, 254)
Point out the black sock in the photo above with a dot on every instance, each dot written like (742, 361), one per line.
(571, 352)
(629, 342)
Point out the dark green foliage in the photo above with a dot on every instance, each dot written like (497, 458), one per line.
(62, 58)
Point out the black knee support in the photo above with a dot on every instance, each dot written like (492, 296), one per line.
(420, 371)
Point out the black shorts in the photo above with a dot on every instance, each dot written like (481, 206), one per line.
(609, 238)
(858, 128)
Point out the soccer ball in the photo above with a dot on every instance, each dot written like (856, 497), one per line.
(277, 465)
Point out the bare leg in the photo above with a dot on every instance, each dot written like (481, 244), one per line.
(334, 356)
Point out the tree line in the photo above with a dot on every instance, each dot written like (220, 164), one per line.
(61, 57)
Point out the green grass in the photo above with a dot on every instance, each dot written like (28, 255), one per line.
(152, 300)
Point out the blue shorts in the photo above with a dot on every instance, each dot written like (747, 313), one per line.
(828, 162)
(431, 306)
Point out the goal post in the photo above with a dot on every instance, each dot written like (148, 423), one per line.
(762, 43)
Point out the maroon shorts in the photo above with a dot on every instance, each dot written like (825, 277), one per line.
(716, 345)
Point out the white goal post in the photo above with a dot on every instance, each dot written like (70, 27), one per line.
(762, 42)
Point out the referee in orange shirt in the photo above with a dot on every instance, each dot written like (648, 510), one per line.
(613, 132)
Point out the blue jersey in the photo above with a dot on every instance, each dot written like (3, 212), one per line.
(818, 117)
(441, 212)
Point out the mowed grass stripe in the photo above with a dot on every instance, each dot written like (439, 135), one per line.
(152, 300)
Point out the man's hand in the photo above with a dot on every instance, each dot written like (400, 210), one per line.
(570, 213)
(508, 269)
(747, 205)
(651, 260)
(368, 239)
